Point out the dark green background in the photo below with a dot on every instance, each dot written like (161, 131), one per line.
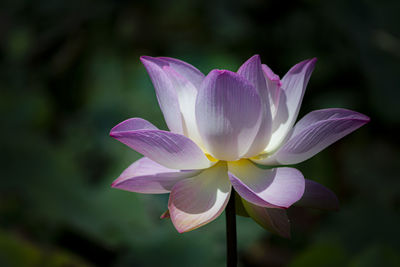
(70, 71)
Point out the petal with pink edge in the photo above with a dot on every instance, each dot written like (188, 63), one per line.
(278, 187)
(197, 201)
(147, 176)
(171, 150)
(274, 88)
(294, 84)
(187, 95)
(187, 71)
(274, 220)
(183, 81)
(316, 131)
(228, 111)
(252, 70)
(318, 196)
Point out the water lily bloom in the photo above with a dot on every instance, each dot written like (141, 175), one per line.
(223, 126)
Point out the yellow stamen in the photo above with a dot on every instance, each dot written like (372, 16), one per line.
(211, 158)
(262, 155)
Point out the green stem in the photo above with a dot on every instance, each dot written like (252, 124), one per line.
(231, 232)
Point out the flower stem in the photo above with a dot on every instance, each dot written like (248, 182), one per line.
(231, 232)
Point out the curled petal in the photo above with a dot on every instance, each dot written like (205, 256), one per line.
(165, 215)
(252, 70)
(294, 84)
(274, 220)
(279, 187)
(199, 200)
(318, 196)
(228, 112)
(171, 150)
(147, 176)
(316, 131)
(133, 124)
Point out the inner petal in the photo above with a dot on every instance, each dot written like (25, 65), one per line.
(228, 110)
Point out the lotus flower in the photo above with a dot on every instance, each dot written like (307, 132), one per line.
(222, 127)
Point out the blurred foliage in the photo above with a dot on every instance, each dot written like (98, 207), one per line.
(70, 71)
(18, 252)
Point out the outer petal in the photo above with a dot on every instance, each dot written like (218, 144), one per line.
(293, 84)
(197, 201)
(320, 115)
(228, 112)
(279, 187)
(316, 131)
(253, 72)
(318, 196)
(147, 176)
(274, 220)
(171, 150)
(166, 94)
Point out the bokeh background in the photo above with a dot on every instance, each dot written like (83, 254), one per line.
(70, 71)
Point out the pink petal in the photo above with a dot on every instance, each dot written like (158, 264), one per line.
(197, 201)
(166, 93)
(274, 220)
(318, 196)
(316, 131)
(253, 72)
(147, 176)
(228, 111)
(171, 150)
(293, 87)
(279, 187)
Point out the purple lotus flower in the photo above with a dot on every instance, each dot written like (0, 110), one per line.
(220, 126)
